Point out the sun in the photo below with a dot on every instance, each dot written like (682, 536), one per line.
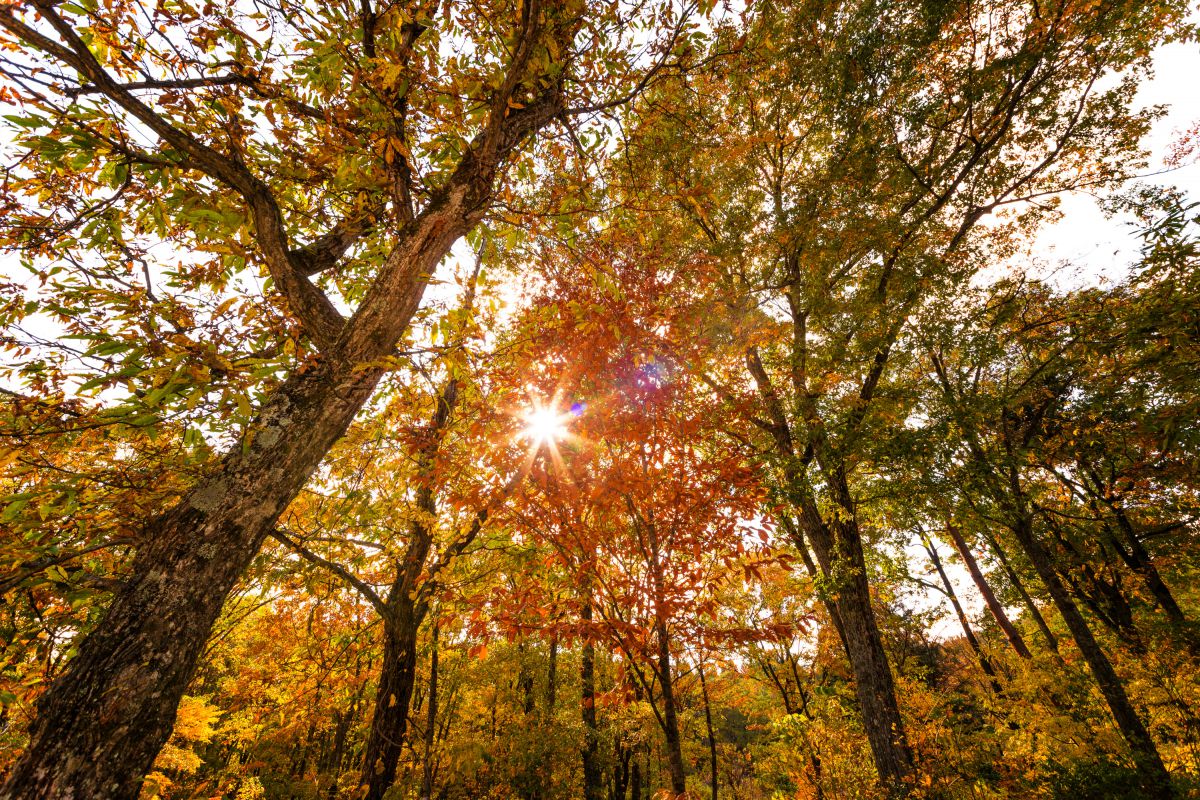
(544, 425)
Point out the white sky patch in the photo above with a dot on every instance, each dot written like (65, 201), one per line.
(1084, 247)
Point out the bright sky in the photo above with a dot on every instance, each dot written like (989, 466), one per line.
(1099, 247)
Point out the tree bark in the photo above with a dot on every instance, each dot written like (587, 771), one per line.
(592, 778)
(674, 742)
(839, 551)
(1133, 553)
(712, 738)
(133, 668)
(393, 698)
(430, 721)
(1010, 632)
(670, 717)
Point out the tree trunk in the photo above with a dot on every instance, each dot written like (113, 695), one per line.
(674, 742)
(670, 717)
(1133, 553)
(393, 698)
(592, 779)
(985, 663)
(1155, 782)
(1140, 562)
(430, 721)
(1019, 585)
(712, 738)
(135, 665)
(989, 597)
(838, 547)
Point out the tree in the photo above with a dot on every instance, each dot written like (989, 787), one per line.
(839, 179)
(376, 143)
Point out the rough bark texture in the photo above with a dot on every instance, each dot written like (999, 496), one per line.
(840, 554)
(132, 670)
(838, 547)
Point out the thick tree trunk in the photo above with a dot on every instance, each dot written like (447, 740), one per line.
(873, 676)
(1155, 782)
(100, 726)
(838, 547)
(1010, 632)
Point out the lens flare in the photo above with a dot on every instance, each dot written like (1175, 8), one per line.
(544, 426)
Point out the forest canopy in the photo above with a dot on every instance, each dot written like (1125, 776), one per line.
(622, 400)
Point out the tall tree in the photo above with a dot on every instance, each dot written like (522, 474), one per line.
(377, 142)
(839, 178)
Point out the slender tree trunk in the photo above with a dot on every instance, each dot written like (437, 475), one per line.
(989, 597)
(1155, 782)
(430, 721)
(712, 738)
(675, 766)
(670, 717)
(620, 783)
(801, 546)
(393, 699)
(552, 678)
(1019, 585)
(985, 663)
(133, 668)
(407, 604)
(592, 779)
(529, 782)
